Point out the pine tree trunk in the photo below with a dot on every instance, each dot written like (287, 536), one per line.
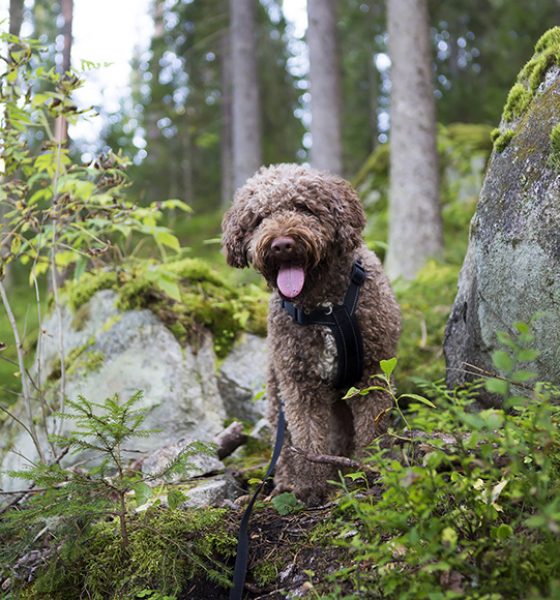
(226, 137)
(67, 10)
(16, 16)
(247, 153)
(415, 229)
(324, 79)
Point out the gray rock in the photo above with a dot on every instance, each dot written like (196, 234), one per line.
(214, 491)
(197, 465)
(242, 376)
(135, 351)
(512, 267)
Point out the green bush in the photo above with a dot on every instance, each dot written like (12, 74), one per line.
(466, 504)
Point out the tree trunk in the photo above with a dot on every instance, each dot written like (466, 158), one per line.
(16, 16)
(67, 10)
(324, 79)
(245, 97)
(226, 137)
(415, 229)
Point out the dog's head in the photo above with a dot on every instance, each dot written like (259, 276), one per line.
(287, 220)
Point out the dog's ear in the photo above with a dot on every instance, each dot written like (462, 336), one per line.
(233, 238)
(349, 214)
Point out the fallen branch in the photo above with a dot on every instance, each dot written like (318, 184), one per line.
(329, 459)
(230, 439)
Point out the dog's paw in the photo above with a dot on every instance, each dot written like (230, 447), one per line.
(279, 488)
(311, 495)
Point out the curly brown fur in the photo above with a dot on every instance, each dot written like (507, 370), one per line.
(322, 215)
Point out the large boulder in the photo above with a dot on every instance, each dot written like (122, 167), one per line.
(512, 268)
(124, 336)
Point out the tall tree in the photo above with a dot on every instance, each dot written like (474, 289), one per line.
(16, 16)
(247, 153)
(226, 142)
(415, 229)
(324, 81)
(67, 11)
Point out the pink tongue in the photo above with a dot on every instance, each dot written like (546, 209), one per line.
(290, 281)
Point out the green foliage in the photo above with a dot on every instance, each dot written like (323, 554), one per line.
(57, 210)
(287, 504)
(463, 152)
(425, 306)
(555, 146)
(469, 505)
(501, 141)
(88, 512)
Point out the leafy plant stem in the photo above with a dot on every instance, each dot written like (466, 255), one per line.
(23, 374)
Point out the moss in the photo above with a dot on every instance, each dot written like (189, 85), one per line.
(167, 549)
(110, 322)
(79, 359)
(547, 54)
(81, 316)
(502, 141)
(517, 102)
(555, 147)
(78, 292)
(266, 572)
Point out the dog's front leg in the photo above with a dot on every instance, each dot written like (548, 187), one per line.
(308, 414)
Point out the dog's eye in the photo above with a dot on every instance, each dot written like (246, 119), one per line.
(257, 221)
(303, 208)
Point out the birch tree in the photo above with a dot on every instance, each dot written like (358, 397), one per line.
(415, 229)
(247, 152)
(324, 80)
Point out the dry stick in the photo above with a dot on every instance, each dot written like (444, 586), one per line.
(328, 459)
(54, 281)
(24, 383)
(38, 354)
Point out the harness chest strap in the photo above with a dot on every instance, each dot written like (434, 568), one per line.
(344, 325)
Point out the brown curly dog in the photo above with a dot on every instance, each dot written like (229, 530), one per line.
(302, 230)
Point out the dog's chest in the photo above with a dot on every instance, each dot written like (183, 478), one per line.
(311, 353)
(327, 357)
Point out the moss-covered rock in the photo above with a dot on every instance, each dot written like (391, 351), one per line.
(530, 78)
(511, 271)
(186, 295)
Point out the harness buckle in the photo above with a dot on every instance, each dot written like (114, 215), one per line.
(358, 275)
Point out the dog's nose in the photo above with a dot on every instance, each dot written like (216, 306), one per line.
(282, 247)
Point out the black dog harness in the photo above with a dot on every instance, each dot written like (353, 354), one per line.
(342, 320)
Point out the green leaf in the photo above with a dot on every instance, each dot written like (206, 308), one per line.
(142, 492)
(497, 386)
(418, 398)
(388, 366)
(522, 376)
(287, 503)
(502, 361)
(175, 498)
(527, 355)
(504, 531)
(167, 239)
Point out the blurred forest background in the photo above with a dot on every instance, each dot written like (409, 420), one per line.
(177, 123)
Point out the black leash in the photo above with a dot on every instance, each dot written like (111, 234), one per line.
(241, 560)
(342, 320)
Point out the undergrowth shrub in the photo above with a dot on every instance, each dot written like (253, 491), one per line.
(85, 523)
(465, 504)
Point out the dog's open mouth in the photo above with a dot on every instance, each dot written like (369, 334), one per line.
(290, 280)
